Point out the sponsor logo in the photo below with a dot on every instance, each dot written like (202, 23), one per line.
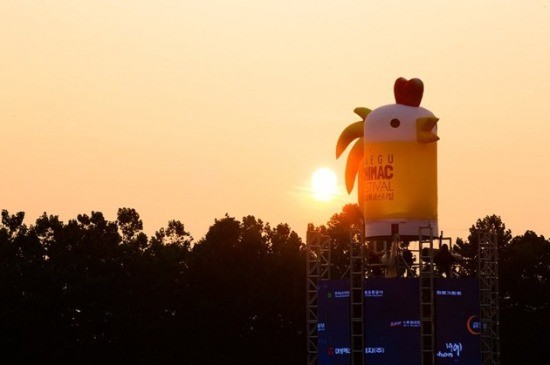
(374, 293)
(453, 350)
(473, 325)
(331, 351)
(374, 350)
(453, 293)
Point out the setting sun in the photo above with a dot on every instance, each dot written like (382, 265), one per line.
(323, 184)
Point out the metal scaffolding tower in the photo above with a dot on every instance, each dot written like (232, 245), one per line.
(317, 268)
(427, 300)
(488, 292)
(356, 278)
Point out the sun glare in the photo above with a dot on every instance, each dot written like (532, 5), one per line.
(323, 184)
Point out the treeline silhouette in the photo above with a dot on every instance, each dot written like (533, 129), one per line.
(94, 291)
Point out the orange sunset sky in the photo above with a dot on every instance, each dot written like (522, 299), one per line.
(189, 110)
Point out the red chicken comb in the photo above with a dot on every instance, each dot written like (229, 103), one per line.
(408, 92)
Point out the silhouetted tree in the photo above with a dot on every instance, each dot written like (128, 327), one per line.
(131, 226)
(524, 267)
(247, 284)
(468, 249)
(344, 228)
(23, 288)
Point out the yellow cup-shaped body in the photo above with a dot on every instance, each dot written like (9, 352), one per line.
(398, 186)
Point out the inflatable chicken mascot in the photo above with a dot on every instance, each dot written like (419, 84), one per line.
(394, 158)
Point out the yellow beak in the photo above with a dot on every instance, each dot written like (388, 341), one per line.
(424, 128)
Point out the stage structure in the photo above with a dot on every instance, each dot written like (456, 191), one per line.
(418, 317)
